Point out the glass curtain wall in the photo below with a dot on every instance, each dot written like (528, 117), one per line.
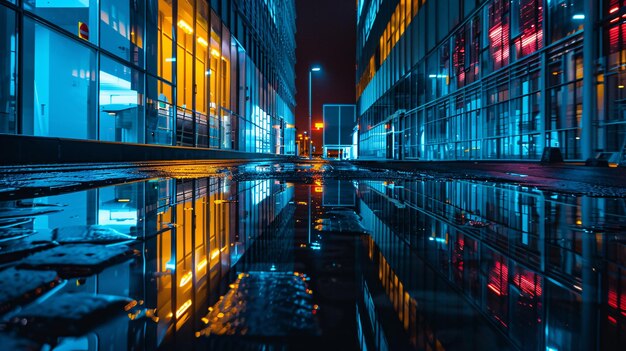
(152, 71)
(611, 89)
(121, 103)
(8, 71)
(160, 62)
(59, 84)
(504, 85)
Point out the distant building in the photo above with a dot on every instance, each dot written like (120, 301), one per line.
(491, 79)
(213, 74)
(339, 123)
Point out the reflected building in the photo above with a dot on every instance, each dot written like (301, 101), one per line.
(466, 265)
(490, 79)
(404, 264)
(193, 235)
(213, 74)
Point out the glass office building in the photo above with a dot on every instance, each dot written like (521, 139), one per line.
(202, 73)
(490, 79)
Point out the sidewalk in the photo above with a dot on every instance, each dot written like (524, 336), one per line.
(566, 177)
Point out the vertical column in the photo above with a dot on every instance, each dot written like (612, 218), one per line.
(589, 81)
(194, 128)
(175, 73)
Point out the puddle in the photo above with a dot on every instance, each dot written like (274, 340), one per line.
(296, 258)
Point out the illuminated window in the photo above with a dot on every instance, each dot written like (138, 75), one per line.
(203, 73)
(78, 17)
(566, 17)
(159, 53)
(530, 27)
(184, 55)
(121, 28)
(121, 102)
(159, 112)
(59, 85)
(499, 33)
(8, 48)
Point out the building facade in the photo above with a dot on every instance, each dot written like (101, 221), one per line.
(199, 73)
(339, 122)
(490, 79)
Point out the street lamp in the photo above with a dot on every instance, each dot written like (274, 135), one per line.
(313, 69)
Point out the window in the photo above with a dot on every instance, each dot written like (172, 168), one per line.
(8, 48)
(566, 17)
(499, 29)
(79, 17)
(121, 26)
(184, 57)
(224, 93)
(121, 103)
(184, 74)
(159, 112)
(59, 84)
(214, 79)
(160, 57)
(203, 73)
(529, 29)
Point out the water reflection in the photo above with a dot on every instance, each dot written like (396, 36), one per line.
(191, 233)
(488, 266)
(385, 265)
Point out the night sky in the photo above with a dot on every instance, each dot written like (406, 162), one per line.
(326, 36)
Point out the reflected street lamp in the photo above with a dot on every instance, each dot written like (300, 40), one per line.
(313, 69)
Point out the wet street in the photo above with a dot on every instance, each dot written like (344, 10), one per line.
(306, 256)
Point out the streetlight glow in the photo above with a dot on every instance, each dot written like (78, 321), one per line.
(316, 69)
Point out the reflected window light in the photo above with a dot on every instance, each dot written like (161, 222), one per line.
(201, 265)
(185, 27)
(183, 308)
(203, 42)
(185, 279)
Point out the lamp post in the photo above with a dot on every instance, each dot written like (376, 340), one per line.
(313, 69)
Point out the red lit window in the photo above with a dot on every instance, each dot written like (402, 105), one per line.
(615, 7)
(458, 57)
(498, 279)
(457, 254)
(466, 53)
(617, 28)
(474, 51)
(528, 282)
(616, 300)
(499, 33)
(531, 27)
